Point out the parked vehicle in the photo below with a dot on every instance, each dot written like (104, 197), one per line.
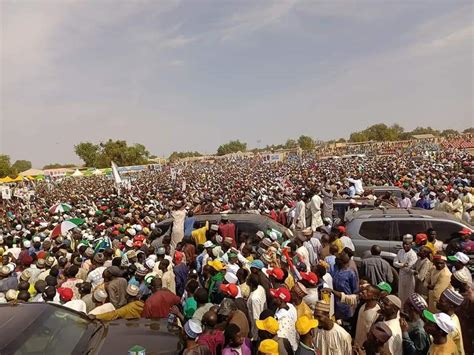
(46, 328)
(386, 227)
(379, 191)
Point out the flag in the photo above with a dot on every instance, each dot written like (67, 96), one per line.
(115, 173)
(102, 243)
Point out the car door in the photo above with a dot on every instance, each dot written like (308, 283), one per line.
(406, 226)
(374, 232)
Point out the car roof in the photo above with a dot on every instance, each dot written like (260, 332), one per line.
(232, 216)
(401, 213)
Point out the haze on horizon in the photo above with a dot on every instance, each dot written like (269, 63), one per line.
(187, 75)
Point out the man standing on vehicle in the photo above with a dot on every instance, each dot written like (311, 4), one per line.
(227, 229)
(315, 207)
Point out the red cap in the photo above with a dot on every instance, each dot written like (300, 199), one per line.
(341, 229)
(311, 277)
(277, 273)
(465, 231)
(137, 244)
(420, 238)
(178, 256)
(65, 293)
(281, 293)
(440, 257)
(230, 289)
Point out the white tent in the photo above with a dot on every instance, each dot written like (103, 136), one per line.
(97, 172)
(77, 173)
(32, 172)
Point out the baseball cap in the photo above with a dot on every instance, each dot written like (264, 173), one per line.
(310, 277)
(304, 324)
(465, 231)
(258, 264)
(384, 286)
(208, 244)
(268, 346)
(65, 294)
(216, 264)
(230, 289)
(420, 238)
(269, 324)
(281, 293)
(276, 273)
(442, 320)
(459, 256)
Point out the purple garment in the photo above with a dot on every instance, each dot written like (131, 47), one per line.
(181, 275)
(245, 348)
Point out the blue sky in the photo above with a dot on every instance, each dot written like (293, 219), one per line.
(191, 75)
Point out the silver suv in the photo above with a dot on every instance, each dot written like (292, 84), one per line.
(386, 227)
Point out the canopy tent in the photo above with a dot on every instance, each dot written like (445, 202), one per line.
(97, 172)
(32, 172)
(39, 177)
(77, 173)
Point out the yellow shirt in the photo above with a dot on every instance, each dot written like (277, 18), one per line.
(339, 245)
(448, 348)
(303, 310)
(131, 310)
(199, 234)
(290, 281)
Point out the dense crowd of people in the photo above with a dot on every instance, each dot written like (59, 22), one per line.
(246, 293)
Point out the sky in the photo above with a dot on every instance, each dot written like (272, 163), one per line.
(191, 75)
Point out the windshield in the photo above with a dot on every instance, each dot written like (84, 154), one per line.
(53, 331)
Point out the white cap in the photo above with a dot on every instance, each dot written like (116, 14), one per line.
(26, 243)
(230, 277)
(36, 239)
(208, 244)
(463, 258)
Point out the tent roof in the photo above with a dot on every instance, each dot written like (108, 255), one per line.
(32, 172)
(77, 173)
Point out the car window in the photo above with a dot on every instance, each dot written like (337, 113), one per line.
(376, 230)
(410, 226)
(445, 229)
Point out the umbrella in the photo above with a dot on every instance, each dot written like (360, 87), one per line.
(65, 226)
(60, 207)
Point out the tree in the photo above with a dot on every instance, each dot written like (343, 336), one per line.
(180, 155)
(291, 144)
(306, 143)
(100, 155)
(423, 130)
(232, 147)
(87, 152)
(20, 166)
(58, 166)
(449, 132)
(5, 167)
(469, 130)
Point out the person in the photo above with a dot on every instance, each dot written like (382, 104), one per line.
(168, 278)
(404, 261)
(305, 327)
(159, 304)
(368, 313)
(180, 271)
(439, 326)
(298, 292)
(433, 243)
(256, 303)
(375, 269)
(315, 206)
(211, 337)
(203, 305)
(177, 231)
(99, 297)
(268, 328)
(235, 343)
(217, 271)
(191, 331)
(415, 340)
(345, 281)
(448, 303)
(465, 312)
(131, 310)
(229, 313)
(460, 260)
(285, 315)
(389, 308)
(268, 347)
(404, 201)
(330, 338)
(437, 280)
(377, 337)
(420, 270)
(116, 286)
(227, 230)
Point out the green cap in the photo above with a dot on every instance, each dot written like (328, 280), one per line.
(453, 258)
(428, 315)
(384, 286)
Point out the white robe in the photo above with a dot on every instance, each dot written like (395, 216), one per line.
(406, 278)
(336, 341)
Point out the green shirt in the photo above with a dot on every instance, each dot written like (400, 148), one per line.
(190, 307)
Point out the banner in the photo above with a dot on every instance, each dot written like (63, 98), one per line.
(6, 193)
(115, 173)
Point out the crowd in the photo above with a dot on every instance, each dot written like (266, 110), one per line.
(262, 292)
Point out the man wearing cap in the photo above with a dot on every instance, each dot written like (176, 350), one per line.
(415, 339)
(8, 279)
(448, 303)
(95, 276)
(460, 260)
(420, 270)
(256, 303)
(116, 286)
(298, 292)
(368, 313)
(132, 310)
(99, 297)
(268, 347)
(330, 338)
(437, 280)
(404, 261)
(217, 277)
(390, 307)
(227, 230)
(286, 315)
(305, 327)
(191, 331)
(439, 326)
